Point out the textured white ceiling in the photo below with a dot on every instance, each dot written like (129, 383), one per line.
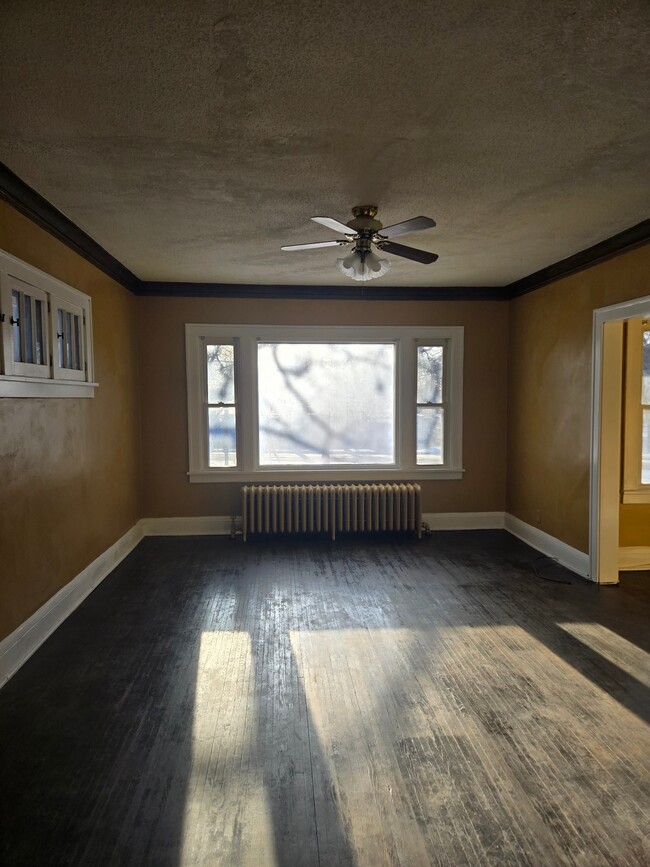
(193, 140)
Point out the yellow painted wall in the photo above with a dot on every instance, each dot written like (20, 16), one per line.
(167, 491)
(634, 526)
(549, 394)
(69, 468)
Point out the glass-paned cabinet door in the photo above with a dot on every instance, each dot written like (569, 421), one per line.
(68, 341)
(25, 339)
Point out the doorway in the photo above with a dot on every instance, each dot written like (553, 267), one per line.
(606, 426)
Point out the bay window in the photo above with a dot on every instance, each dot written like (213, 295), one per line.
(312, 403)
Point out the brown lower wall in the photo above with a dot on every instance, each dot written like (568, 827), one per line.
(69, 468)
(549, 397)
(167, 492)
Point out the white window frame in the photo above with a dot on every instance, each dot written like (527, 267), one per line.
(245, 339)
(20, 379)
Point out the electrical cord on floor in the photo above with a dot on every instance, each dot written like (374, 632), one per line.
(427, 531)
(547, 577)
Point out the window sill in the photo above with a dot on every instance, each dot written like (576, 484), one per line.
(640, 495)
(34, 387)
(332, 476)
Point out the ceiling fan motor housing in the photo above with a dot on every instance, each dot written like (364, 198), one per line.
(364, 220)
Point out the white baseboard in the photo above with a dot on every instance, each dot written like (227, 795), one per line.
(464, 520)
(576, 561)
(634, 558)
(16, 648)
(218, 525)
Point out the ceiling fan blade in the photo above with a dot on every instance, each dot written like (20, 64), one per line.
(314, 246)
(334, 225)
(422, 256)
(416, 224)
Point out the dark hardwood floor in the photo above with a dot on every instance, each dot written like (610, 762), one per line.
(366, 702)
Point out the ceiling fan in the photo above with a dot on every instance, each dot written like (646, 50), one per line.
(363, 231)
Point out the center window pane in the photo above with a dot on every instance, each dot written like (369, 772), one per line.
(326, 403)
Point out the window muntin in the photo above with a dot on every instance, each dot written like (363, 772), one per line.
(323, 404)
(253, 461)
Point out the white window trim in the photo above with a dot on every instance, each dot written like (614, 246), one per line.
(57, 383)
(245, 338)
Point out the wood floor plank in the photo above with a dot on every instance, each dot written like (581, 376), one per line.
(369, 702)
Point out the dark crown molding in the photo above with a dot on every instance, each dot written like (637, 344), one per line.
(635, 236)
(30, 203)
(355, 292)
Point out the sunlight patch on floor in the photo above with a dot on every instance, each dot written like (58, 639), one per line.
(358, 736)
(226, 811)
(614, 648)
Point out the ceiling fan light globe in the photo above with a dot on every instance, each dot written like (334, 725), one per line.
(352, 260)
(378, 266)
(348, 265)
(383, 269)
(372, 261)
(363, 268)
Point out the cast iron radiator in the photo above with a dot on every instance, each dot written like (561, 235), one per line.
(331, 508)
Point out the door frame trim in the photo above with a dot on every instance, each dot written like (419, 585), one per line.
(636, 308)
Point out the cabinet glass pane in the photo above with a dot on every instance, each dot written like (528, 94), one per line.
(68, 339)
(222, 440)
(60, 337)
(76, 343)
(221, 373)
(39, 346)
(15, 324)
(430, 435)
(429, 374)
(27, 313)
